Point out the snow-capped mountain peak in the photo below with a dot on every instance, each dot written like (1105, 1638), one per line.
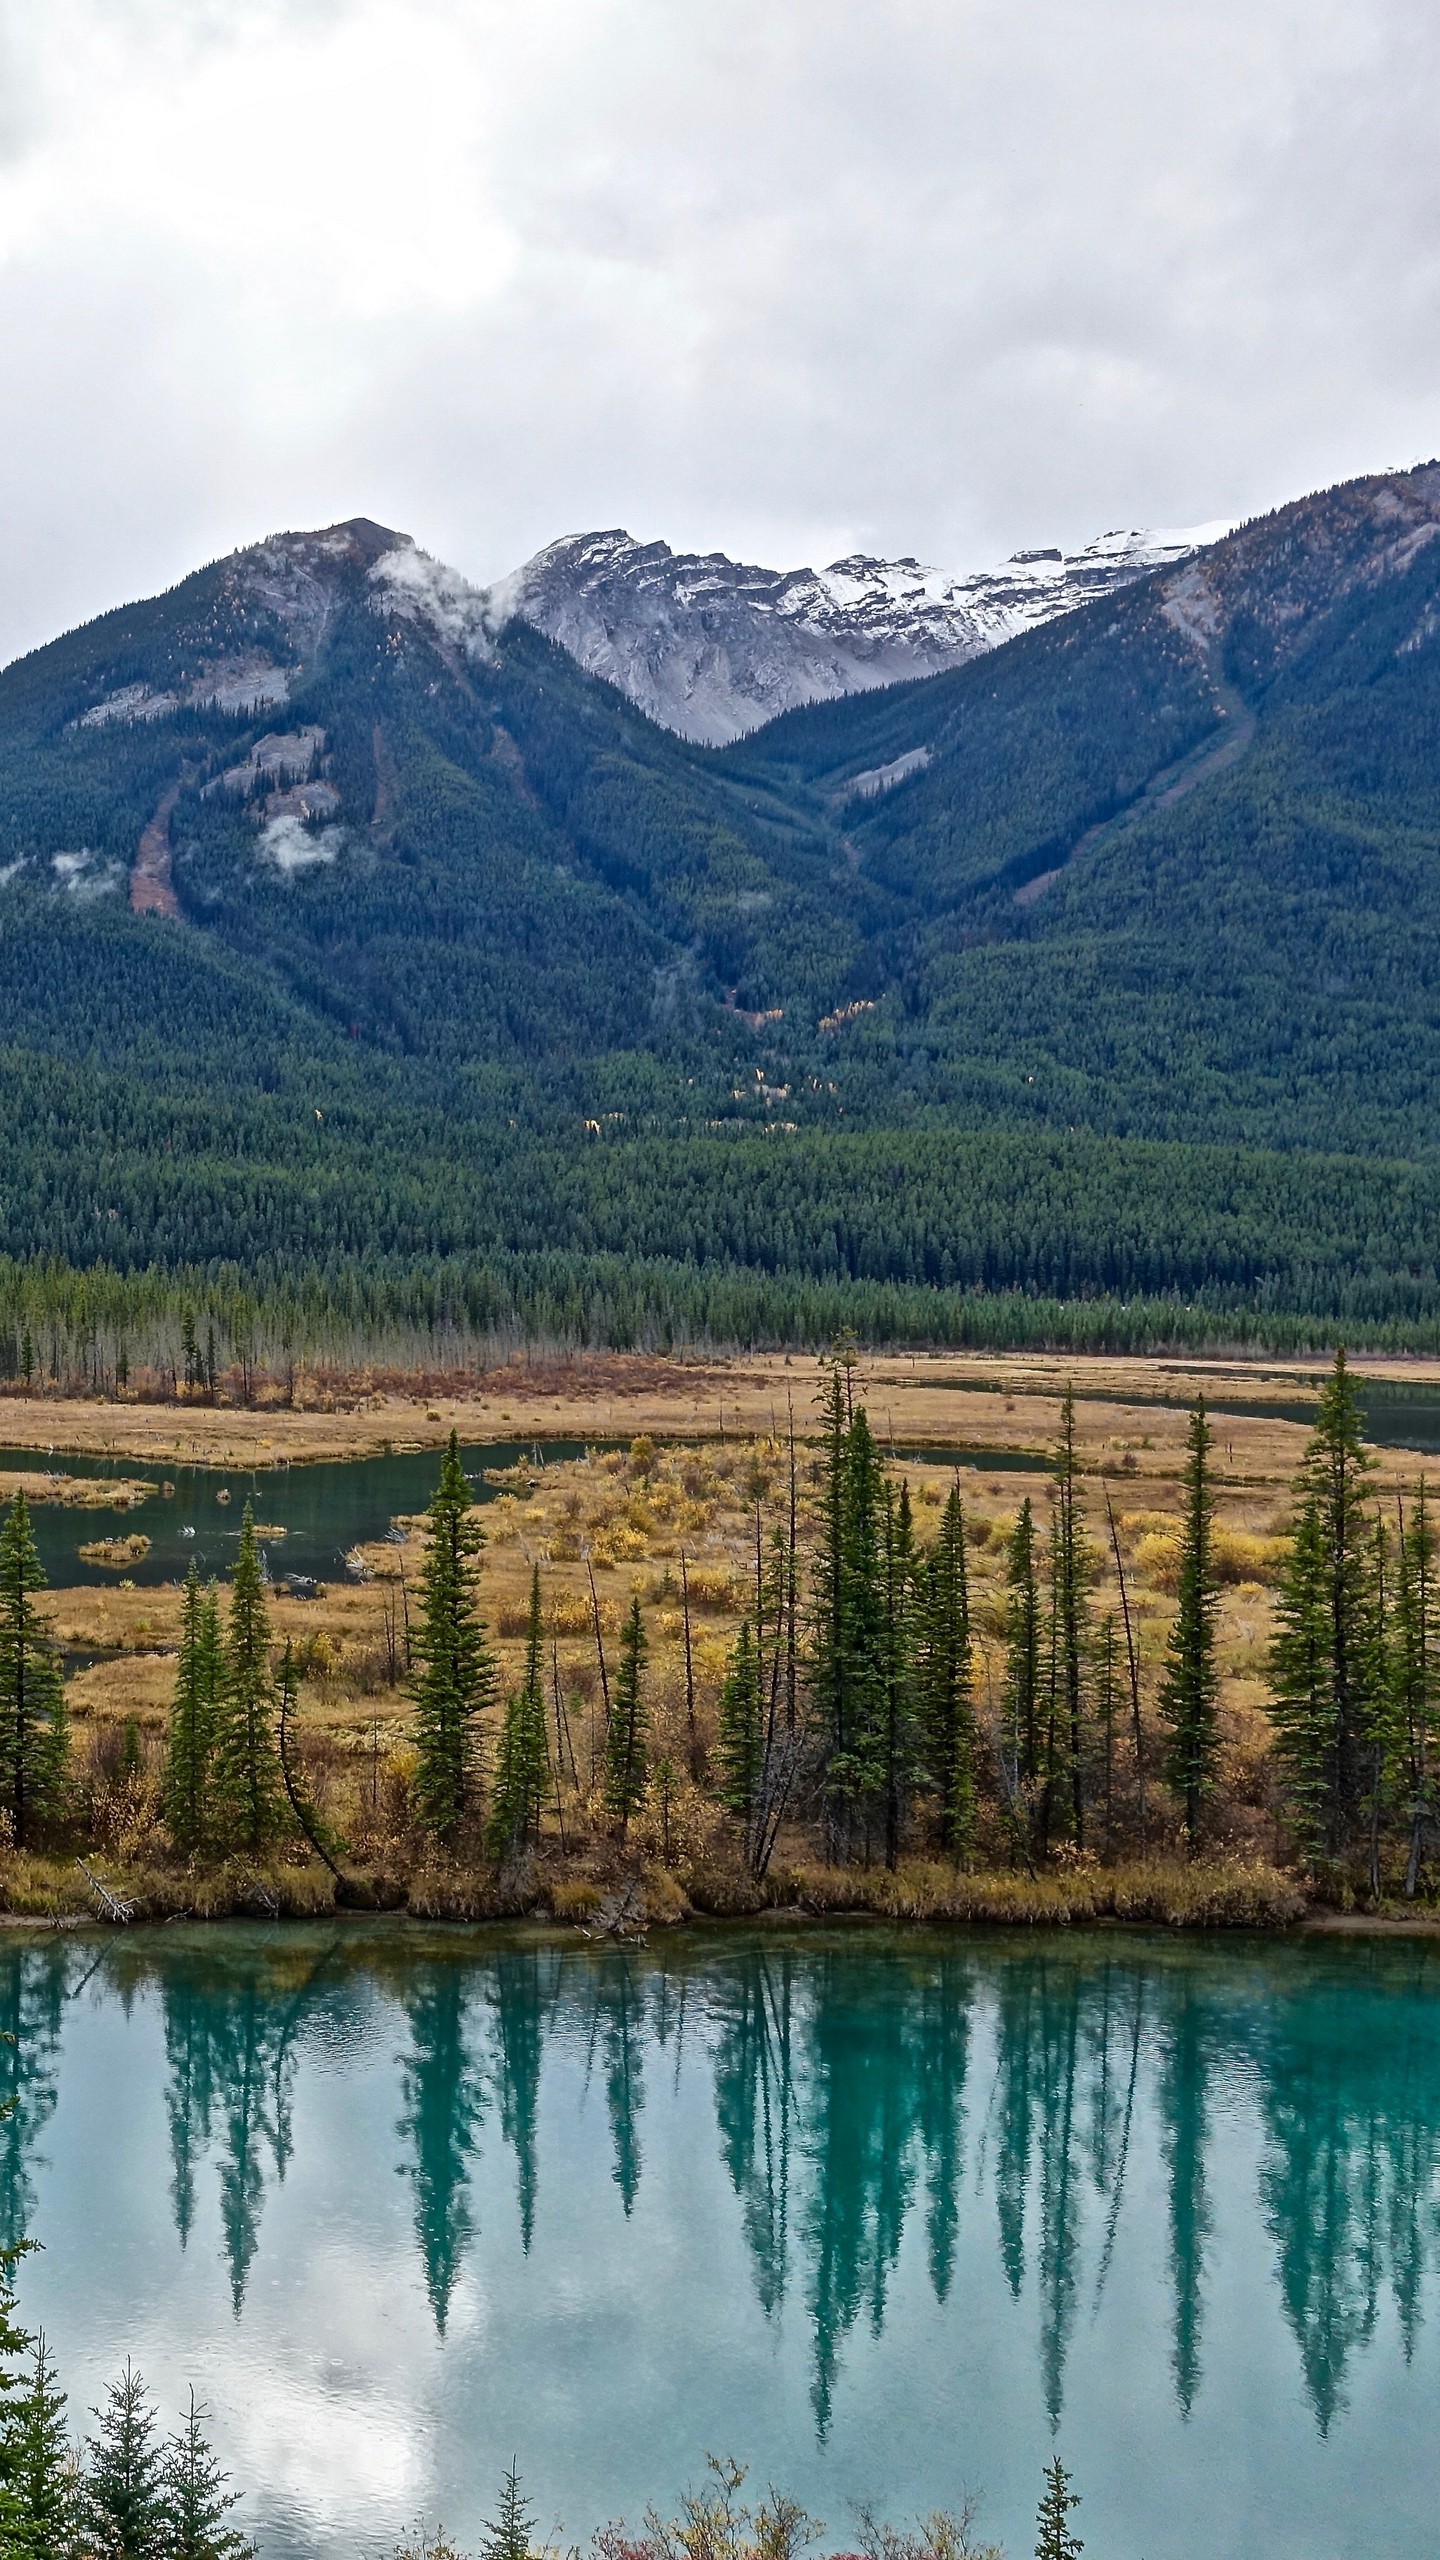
(712, 647)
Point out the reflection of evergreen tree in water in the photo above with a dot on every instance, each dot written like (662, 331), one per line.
(525, 1992)
(1016, 2015)
(1066, 2072)
(945, 2037)
(33, 1989)
(756, 2102)
(1188, 2059)
(252, 2063)
(1116, 2019)
(1059, 2049)
(189, 2089)
(1106, 2035)
(1351, 2183)
(232, 2042)
(1412, 2220)
(866, 2060)
(618, 2025)
(858, 2074)
(444, 2103)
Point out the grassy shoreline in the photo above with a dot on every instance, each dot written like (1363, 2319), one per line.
(627, 1902)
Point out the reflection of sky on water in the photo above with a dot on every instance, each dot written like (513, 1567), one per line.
(877, 2214)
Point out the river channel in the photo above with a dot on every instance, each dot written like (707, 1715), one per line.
(890, 2217)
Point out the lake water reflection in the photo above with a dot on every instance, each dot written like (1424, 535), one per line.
(886, 2215)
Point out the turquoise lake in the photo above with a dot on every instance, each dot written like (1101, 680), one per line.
(887, 2216)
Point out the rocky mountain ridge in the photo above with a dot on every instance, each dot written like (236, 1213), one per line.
(712, 647)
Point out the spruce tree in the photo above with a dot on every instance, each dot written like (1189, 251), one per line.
(947, 1706)
(1301, 1702)
(457, 1675)
(34, 1735)
(899, 1738)
(1190, 1696)
(1415, 1682)
(124, 2506)
(1022, 1648)
(857, 1752)
(522, 1767)
(1379, 1756)
(740, 1736)
(1322, 1663)
(38, 2487)
(193, 1712)
(198, 2499)
(627, 1739)
(829, 1679)
(1053, 2537)
(248, 1789)
(508, 2537)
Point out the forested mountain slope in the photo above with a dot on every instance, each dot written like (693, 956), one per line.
(1170, 866)
(336, 922)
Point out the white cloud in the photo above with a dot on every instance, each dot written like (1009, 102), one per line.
(928, 276)
(292, 846)
(85, 873)
(410, 582)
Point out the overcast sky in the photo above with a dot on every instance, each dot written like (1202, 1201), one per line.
(779, 277)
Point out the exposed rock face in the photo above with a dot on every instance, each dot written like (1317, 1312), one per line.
(712, 647)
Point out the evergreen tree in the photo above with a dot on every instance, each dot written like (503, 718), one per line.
(627, 1740)
(457, 1674)
(1190, 1696)
(192, 1718)
(1071, 1570)
(851, 1684)
(829, 1682)
(1376, 1689)
(1302, 1701)
(124, 2506)
(34, 1735)
(1022, 1649)
(198, 2499)
(248, 1788)
(508, 2537)
(1323, 1660)
(900, 1738)
(1415, 1680)
(946, 1705)
(37, 2476)
(522, 1768)
(740, 1737)
(1053, 2537)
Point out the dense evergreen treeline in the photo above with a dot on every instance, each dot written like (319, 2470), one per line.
(105, 1332)
(741, 1236)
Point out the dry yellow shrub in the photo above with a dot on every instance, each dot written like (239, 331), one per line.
(1157, 1559)
(1243, 1556)
(713, 1586)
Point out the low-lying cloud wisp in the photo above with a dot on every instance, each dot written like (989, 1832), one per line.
(292, 846)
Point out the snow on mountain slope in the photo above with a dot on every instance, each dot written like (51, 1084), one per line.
(712, 647)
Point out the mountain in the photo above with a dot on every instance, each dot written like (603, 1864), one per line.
(712, 648)
(350, 928)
